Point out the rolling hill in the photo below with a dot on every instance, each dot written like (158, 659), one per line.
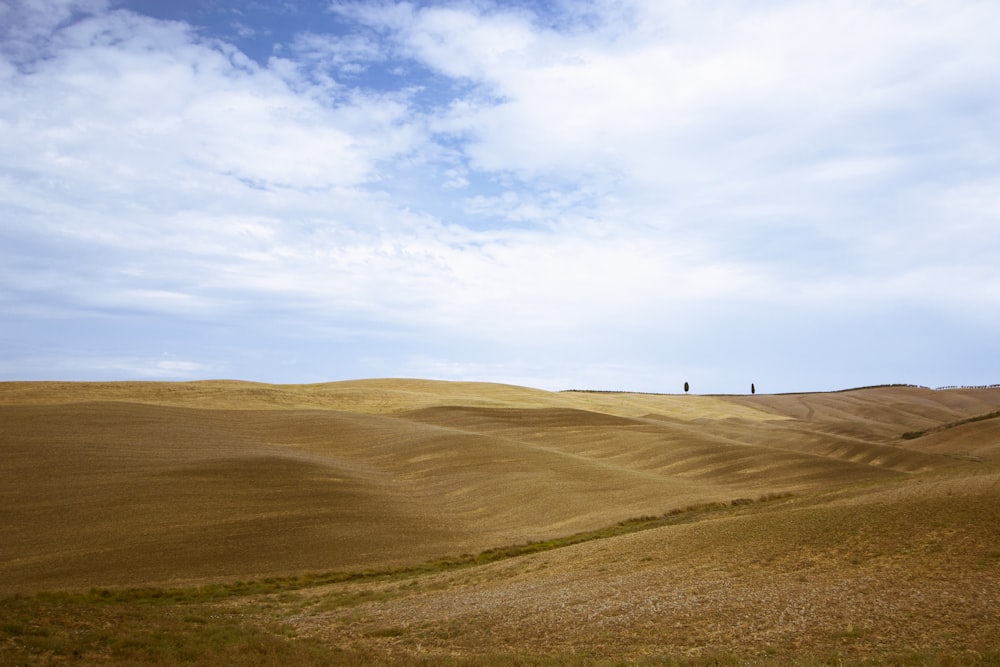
(778, 498)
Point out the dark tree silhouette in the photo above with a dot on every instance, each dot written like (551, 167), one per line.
(753, 389)
(686, 387)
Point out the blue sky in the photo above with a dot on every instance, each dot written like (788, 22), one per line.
(606, 194)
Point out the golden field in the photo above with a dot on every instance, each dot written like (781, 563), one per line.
(420, 522)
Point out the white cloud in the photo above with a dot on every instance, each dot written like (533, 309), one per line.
(619, 171)
(138, 367)
(58, 365)
(686, 96)
(130, 105)
(26, 26)
(335, 52)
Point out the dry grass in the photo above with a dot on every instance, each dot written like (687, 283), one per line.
(863, 576)
(871, 549)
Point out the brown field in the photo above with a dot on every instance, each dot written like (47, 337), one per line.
(363, 523)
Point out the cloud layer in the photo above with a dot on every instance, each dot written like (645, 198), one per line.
(618, 195)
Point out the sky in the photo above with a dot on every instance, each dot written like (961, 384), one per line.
(587, 194)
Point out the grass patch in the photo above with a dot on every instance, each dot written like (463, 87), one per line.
(633, 525)
(934, 658)
(52, 628)
(850, 632)
(273, 585)
(913, 435)
(342, 599)
(196, 626)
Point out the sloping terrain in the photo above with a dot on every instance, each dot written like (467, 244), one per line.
(134, 483)
(856, 524)
(907, 574)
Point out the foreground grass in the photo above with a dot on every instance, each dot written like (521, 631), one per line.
(251, 623)
(271, 585)
(55, 628)
(84, 629)
(200, 625)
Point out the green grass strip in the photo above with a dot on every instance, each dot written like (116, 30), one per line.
(913, 435)
(270, 585)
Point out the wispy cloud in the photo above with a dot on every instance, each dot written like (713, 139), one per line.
(601, 193)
